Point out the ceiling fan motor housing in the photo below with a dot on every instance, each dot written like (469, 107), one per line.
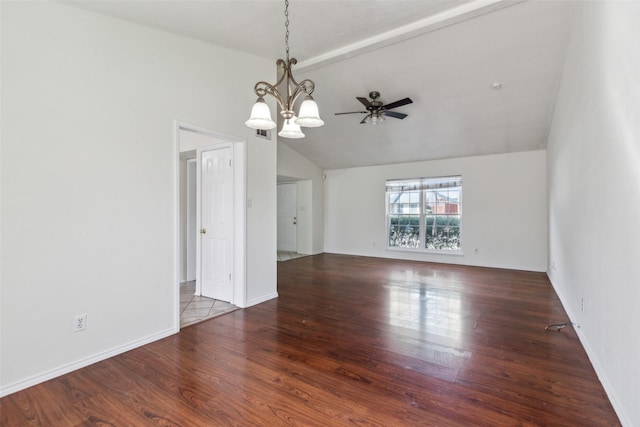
(375, 104)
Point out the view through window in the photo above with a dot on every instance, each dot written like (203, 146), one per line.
(425, 213)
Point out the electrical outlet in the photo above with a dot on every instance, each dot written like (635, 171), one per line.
(79, 322)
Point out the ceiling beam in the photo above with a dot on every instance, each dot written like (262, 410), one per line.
(435, 22)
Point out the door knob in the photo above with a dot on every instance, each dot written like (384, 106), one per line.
(203, 231)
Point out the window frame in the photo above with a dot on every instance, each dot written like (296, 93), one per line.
(423, 185)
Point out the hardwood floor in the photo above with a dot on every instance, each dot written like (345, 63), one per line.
(350, 341)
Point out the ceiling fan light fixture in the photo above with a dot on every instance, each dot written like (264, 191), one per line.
(309, 115)
(260, 116)
(290, 129)
(377, 118)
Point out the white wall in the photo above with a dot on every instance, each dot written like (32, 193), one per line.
(89, 181)
(594, 195)
(503, 208)
(294, 165)
(262, 219)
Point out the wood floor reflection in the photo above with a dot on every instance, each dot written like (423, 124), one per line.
(350, 341)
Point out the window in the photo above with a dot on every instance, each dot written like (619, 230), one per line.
(425, 213)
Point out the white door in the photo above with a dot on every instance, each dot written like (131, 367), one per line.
(216, 224)
(287, 217)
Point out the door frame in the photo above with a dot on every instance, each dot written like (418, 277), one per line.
(239, 150)
(191, 223)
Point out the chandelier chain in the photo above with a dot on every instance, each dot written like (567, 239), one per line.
(286, 25)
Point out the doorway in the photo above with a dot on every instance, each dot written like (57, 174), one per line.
(212, 221)
(295, 218)
(287, 217)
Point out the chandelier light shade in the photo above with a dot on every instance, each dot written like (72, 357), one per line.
(260, 116)
(309, 115)
(291, 129)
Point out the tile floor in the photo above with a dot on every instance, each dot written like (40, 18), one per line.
(194, 308)
(286, 256)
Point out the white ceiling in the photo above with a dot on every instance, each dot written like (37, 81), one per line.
(444, 55)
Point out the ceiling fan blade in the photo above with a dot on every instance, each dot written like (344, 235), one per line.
(364, 101)
(398, 103)
(364, 120)
(394, 114)
(352, 112)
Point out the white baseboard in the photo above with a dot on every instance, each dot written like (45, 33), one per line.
(450, 259)
(261, 299)
(597, 367)
(65, 369)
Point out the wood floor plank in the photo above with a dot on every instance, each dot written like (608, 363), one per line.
(350, 341)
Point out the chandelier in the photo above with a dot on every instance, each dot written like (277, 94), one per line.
(308, 115)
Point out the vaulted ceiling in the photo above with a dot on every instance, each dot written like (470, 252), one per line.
(444, 55)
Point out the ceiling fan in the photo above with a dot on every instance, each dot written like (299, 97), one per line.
(376, 112)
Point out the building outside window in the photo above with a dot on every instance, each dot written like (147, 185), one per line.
(425, 214)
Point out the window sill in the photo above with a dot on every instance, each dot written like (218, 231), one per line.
(425, 251)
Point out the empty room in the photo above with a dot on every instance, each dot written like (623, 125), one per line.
(319, 213)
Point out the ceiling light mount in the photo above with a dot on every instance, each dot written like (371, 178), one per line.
(308, 115)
